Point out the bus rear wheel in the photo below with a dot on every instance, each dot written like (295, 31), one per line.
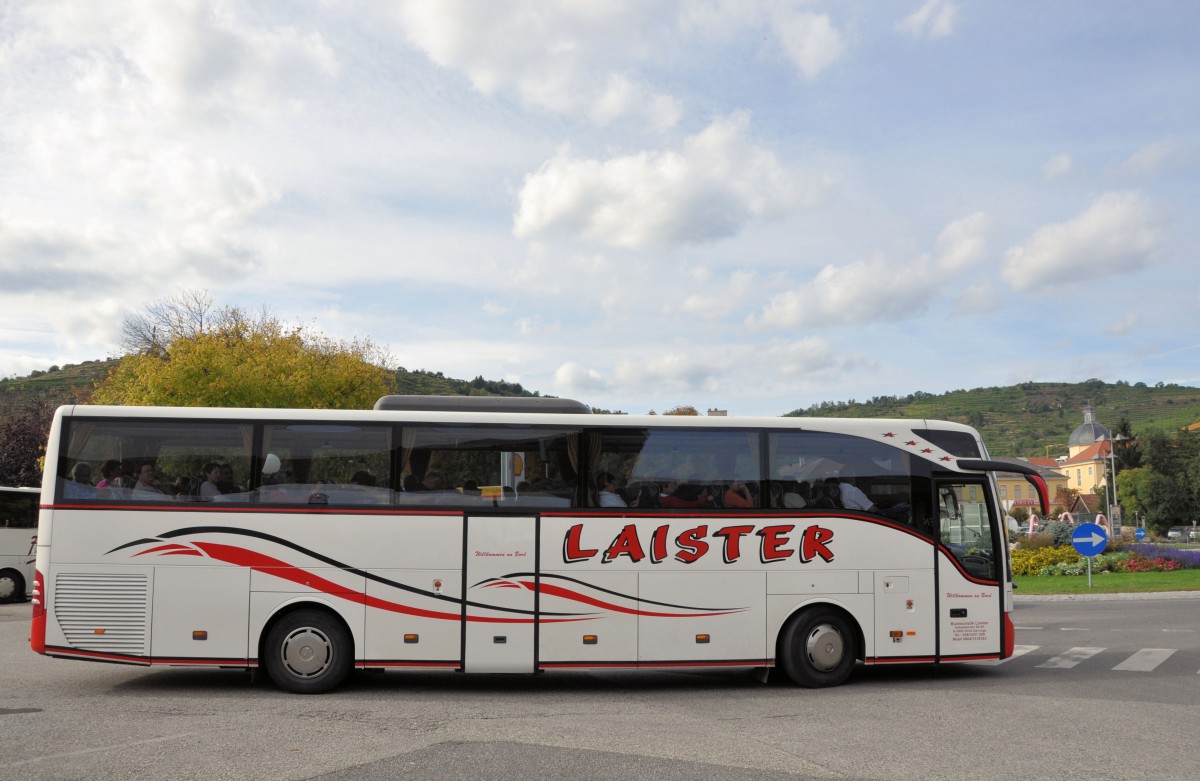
(308, 652)
(818, 648)
(12, 586)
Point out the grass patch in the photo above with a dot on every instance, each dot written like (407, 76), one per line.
(1109, 583)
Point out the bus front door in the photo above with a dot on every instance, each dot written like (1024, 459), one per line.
(499, 574)
(970, 601)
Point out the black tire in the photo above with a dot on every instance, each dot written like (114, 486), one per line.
(308, 651)
(818, 648)
(12, 586)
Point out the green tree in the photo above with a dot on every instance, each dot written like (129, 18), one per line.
(683, 409)
(233, 359)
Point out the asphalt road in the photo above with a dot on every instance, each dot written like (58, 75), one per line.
(1102, 689)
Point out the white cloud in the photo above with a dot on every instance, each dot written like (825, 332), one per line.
(571, 378)
(862, 292)
(1149, 159)
(962, 243)
(670, 371)
(1115, 235)
(1057, 167)
(623, 97)
(711, 189)
(934, 19)
(810, 40)
(191, 56)
(564, 57)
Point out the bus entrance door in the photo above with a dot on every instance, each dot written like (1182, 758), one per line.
(499, 578)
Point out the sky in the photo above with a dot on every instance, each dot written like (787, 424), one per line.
(745, 205)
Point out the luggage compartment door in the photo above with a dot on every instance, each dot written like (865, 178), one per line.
(500, 577)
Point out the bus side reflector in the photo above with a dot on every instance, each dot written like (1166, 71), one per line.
(199, 634)
(895, 633)
(37, 632)
(412, 639)
(99, 631)
(590, 639)
(702, 638)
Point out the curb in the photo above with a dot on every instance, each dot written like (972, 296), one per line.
(1018, 599)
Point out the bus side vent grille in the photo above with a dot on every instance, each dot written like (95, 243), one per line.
(103, 612)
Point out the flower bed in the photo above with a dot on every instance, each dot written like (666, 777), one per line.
(1065, 560)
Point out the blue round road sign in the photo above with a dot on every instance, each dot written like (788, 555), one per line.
(1140, 533)
(1089, 539)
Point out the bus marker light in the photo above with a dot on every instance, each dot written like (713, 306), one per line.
(199, 634)
(911, 634)
(896, 634)
(703, 638)
(413, 638)
(99, 631)
(590, 639)
(437, 586)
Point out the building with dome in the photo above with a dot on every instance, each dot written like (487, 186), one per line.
(1086, 434)
(1086, 465)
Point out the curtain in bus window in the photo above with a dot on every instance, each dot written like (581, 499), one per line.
(679, 468)
(154, 461)
(326, 464)
(830, 471)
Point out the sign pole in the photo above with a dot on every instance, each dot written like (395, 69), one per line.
(1089, 539)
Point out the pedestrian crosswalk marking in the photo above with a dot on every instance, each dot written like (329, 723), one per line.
(1145, 660)
(1071, 658)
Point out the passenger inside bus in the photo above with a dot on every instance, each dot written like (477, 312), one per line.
(684, 495)
(738, 495)
(79, 482)
(211, 487)
(838, 493)
(606, 491)
(147, 485)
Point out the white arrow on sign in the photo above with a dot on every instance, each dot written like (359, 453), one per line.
(1093, 538)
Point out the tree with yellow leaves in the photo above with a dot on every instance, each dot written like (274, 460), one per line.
(230, 358)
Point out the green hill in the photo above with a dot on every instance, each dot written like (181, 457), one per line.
(74, 383)
(1033, 418)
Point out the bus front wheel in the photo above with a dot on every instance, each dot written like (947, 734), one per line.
(817, 648)
(12, 586)
(308, 652)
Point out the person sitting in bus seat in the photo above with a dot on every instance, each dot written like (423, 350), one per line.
(738, 495)
(109, 471)
(849, 496)
(606, 491)
(147, 485)
(684, 495)
(211, 487)
(79, 482)
(227, 485)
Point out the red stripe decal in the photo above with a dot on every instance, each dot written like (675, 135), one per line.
(268, 565)
(575, 596)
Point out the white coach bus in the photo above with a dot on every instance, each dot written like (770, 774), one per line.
(18, 534)
(517, 535)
